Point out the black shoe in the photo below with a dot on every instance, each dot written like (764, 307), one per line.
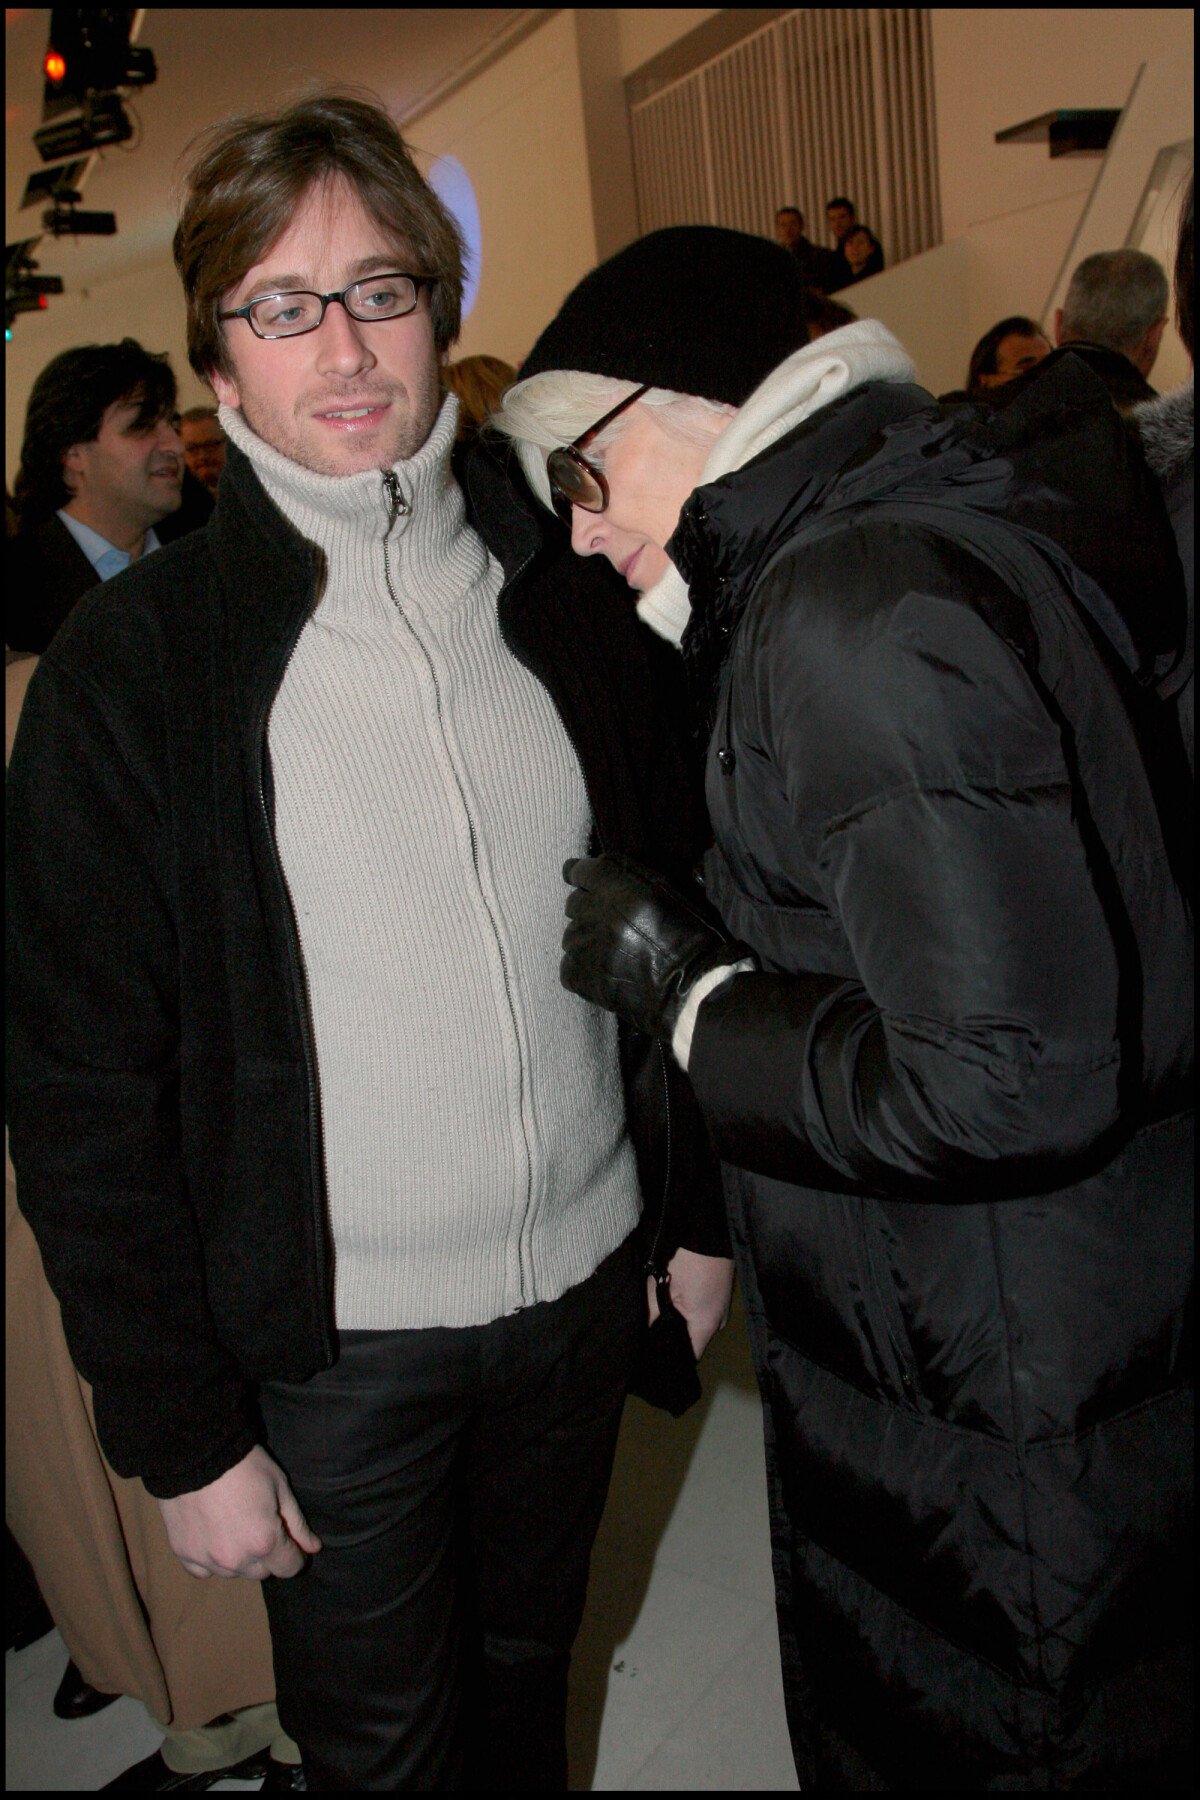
(284, 1777)
(153, 1776)
(77, 1698)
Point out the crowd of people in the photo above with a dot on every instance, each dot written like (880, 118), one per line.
(855, 254)
(1114, 315)
(366, 1154)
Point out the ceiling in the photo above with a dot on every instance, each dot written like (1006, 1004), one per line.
(217, 61)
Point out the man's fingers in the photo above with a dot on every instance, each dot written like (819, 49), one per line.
(286, 1560)
(295, 1524)
(577, 869)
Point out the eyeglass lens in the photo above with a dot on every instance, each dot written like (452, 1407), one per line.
(573, 483)
(381, 297)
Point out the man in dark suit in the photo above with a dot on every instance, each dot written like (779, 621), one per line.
(101, 465)
(822, 269)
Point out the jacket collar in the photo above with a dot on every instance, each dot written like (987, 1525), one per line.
(499, 504)
(1167, 428)
(269, 579)
(804, 383)
(272, 577)
(1050, 472)
(730, 528)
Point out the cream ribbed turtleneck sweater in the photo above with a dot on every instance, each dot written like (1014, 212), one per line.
(426, 795)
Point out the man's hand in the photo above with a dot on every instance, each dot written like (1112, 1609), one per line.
(701, 1288)
(245, 1523)
(633, 944)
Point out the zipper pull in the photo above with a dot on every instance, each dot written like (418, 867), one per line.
(397, 505)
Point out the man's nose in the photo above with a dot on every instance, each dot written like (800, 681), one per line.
(342, 341)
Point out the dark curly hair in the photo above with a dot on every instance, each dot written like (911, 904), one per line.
(67, 406)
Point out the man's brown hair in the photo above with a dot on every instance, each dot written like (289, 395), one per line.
(249, 175)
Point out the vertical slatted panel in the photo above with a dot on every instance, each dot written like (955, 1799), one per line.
(741, 97)
(864, 190)
(933, 195)
(814, 96)
(823, 101)
(867, 178)
(911, 147)
(786, 151)
(670, 161)
(836, 160)
(852, 162)
(889, 157)
(823, 94)
(725, 115)
(797, 122)
(899, 132)
(818, 94)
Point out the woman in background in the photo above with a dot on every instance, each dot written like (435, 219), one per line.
(479, 382)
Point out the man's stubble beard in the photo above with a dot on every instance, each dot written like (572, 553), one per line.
(411, 432)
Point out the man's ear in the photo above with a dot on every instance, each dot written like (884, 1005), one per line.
(1058, 313)
(1150, 346)
(224, 389)
(74, 465)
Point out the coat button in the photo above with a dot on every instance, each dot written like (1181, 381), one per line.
(727, 760)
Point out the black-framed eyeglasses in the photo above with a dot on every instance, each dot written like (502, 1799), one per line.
(573, 480)
(292, 314)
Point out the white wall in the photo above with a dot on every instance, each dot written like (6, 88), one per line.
(518, 130)
(1010, 211)
(646, 31)
(997, 68)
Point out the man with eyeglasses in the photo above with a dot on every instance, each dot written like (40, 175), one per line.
(347, 1235)
(203, 445)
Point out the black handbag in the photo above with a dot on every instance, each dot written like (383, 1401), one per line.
(665, 1373)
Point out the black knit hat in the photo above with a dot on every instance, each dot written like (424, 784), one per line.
(694, 308)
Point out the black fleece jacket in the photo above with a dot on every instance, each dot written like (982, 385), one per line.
(162, 1090)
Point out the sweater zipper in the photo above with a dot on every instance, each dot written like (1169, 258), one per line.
(300, 1000)
(652, 1265)
(398, 506)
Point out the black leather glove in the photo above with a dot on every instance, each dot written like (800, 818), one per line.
(634, 944)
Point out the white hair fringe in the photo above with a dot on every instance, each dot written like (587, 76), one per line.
(552, 409)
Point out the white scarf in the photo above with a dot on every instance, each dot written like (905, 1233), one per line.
(805, 381)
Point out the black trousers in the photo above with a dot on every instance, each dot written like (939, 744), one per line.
(456, 1478)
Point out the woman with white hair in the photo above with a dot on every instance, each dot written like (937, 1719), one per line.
(933, 999)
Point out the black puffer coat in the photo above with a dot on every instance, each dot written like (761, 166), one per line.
(954, 1107)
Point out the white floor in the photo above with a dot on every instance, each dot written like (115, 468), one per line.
(675, 1684)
